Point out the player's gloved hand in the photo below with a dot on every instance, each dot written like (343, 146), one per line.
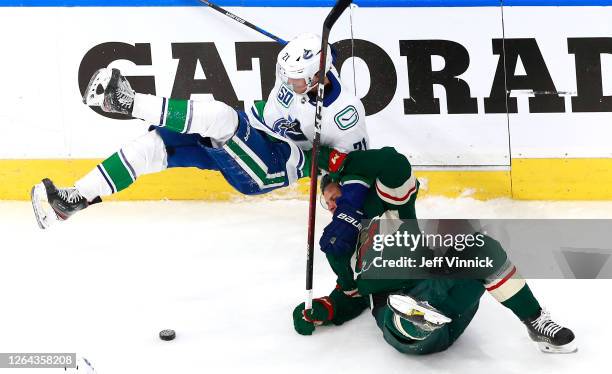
(304, 321)
(340, 306)
(330, 159)
(340, 236)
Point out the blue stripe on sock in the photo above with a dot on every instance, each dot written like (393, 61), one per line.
(163, 112)
(188, 127)
(125, 160)
(106, 179)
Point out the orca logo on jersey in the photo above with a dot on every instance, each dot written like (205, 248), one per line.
(347, 118)
(289, 128)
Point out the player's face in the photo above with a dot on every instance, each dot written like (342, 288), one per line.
(299, 85)
(330, 195)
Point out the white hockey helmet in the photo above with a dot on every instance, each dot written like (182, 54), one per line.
(300, 59)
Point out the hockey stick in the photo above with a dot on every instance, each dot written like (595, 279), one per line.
(244, 22)
(329, 22)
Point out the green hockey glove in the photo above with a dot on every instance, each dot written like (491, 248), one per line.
(340, 306)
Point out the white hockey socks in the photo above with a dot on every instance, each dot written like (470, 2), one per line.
(211, 119)
(144, 155)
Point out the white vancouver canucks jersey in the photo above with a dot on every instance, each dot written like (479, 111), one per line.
(292, 116)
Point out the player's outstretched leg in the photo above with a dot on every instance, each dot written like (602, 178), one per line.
(417, 312)
(508, 287)
(144, 155)
(111, 91)
(550, 336)
(49, 201)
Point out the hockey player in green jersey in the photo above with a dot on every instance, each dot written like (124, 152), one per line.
(416, 316)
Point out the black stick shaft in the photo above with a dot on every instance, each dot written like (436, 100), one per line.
(331, 18)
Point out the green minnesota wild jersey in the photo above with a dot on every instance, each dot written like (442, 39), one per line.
(388, 175)
(391, 187)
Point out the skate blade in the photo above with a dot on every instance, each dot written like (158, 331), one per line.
(570, 347)
(41, 207)
(94, 93)
(404, 305)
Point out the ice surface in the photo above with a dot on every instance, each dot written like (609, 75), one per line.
(226, 277)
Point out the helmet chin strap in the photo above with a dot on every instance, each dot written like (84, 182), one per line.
(311, 85)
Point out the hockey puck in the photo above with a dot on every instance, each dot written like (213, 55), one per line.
(167, 334)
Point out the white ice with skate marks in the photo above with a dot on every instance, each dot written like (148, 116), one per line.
(226, 277)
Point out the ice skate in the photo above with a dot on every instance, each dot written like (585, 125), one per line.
(418, 312)
(111, 91)
(549, 336)
(53, 204)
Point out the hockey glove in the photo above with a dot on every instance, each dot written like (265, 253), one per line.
(304, 321)
(340, 236)
(337, 308)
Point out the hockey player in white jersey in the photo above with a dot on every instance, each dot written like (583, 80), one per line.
(257, 151)
(290, 109)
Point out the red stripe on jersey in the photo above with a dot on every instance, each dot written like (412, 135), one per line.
(349, 293)
(390, 197)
